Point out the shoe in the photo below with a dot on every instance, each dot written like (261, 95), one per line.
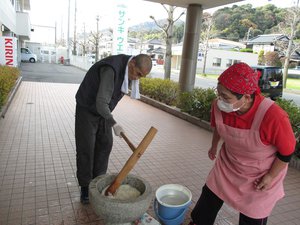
(84, 195)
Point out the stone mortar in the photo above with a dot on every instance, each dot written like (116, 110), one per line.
(116, 211)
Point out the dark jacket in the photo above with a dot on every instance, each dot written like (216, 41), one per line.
(87, 92)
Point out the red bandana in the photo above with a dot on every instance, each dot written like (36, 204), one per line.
(240, 78)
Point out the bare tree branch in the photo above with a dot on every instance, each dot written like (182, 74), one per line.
(168, 30)
(157, 24)
(165, 7)
(179, 17)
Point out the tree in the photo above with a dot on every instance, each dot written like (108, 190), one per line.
(227, 21)
(178, 32)
(250, 25)
(205, 36)
(272, 59)
(83, 43)
(288, 27)
(94, 39)
(261, 58)
(293, 19)
(167, 28)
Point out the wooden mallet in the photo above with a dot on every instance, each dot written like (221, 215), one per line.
(137, 153)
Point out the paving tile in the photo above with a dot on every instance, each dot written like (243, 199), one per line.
(38, 161)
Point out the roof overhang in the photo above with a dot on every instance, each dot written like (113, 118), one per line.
(206, 4)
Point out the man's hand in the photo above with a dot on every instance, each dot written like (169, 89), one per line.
(118, 130)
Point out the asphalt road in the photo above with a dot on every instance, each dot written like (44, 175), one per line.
(157, 72)
(56, 73)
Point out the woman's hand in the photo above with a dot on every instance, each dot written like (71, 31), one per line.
(263, 183)
(212, 153)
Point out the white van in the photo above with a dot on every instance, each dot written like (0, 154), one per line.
(27, 55)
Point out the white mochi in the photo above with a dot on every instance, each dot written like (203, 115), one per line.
(124, 192)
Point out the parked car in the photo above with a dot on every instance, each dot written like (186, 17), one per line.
(28, 56)
(270, 81)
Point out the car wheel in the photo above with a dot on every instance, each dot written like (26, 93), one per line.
(32, 60)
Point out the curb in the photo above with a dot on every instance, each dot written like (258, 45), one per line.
(292, 91)
(176, 112)
(10, 97)
(295, 163)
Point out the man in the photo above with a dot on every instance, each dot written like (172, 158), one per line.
(102, 88)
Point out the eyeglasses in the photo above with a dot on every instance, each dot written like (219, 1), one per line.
(138, 72)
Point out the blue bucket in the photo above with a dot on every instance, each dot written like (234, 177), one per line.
(171, 203)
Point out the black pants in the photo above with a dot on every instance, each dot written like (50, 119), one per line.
(208, 206)
(94, 142)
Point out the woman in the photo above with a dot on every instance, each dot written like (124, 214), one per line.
(258, 143)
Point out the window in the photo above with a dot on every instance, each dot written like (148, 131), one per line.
(151, 47)
(229, 62)
(236, 61)
(200, 56)
(24, 50)
(46, 52)
(217, 62)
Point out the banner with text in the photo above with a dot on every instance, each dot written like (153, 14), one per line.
(8, 51)
(120, 30)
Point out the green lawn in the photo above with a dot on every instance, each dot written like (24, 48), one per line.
(293, 84)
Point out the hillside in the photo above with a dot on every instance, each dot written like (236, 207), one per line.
(150, 26)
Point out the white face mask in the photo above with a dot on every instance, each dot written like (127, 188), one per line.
(227, 107)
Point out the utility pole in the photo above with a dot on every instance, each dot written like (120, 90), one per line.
(97, 40)
(75, 41)
(68, 35)
(55, 38)
(62, 34)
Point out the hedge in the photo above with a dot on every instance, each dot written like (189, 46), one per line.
(8, 77)
(198, 102)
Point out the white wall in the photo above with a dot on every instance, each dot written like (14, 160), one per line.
(81, 62)
(266, 48)
(23, 24)
(224, 55)
(8, 15)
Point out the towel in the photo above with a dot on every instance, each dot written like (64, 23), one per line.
(135, 85)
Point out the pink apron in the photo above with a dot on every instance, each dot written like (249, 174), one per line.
(242, 159)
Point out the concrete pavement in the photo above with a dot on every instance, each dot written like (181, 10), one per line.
(38, 182)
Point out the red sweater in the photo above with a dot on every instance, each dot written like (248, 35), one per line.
(275, 128)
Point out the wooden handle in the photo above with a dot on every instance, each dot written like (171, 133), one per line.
(131, 161)
(133, 148)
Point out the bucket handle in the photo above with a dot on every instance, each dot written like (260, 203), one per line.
(169, 220)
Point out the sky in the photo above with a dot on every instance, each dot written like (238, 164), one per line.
(54, 13)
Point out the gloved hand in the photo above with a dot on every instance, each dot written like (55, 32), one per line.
(118, 129)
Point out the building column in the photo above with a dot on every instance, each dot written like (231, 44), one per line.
(190, 47)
